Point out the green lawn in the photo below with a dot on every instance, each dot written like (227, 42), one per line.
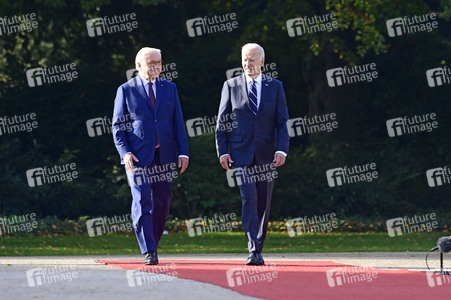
(222, 242)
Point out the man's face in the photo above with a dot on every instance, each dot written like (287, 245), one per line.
(150, 65)
(252, 62)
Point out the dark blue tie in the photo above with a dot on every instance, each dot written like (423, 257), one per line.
(253, 98)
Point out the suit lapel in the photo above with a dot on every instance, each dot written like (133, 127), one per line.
(142, 90)
(241, 81)
(264, 93)
(159, 87)
(263, 96)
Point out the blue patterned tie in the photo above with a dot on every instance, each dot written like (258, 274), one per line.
(253, 98)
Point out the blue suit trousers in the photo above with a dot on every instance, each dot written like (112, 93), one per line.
(256, 203)
(150, 207)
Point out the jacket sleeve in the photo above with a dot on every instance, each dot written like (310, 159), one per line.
(179, 126)
(225, 109)
(283, 138)
(120, 114)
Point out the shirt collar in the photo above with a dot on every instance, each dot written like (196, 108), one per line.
(145, 81)
(258, 79)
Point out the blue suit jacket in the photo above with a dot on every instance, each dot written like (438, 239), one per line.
(135, 123)
(248, 137)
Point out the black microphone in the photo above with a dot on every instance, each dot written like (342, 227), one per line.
(443, 244)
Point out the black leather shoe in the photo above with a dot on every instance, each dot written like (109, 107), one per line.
(252, 260)
(151, 258)
(260, 259)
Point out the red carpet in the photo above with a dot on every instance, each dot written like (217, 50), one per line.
(302, 279)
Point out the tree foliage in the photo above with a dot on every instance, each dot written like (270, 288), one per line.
(62, 109)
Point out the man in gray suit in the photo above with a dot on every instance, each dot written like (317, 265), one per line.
(255, 144)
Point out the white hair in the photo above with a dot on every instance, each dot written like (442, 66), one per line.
(141, 53)
(261, 52)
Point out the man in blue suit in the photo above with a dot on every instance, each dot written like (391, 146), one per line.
(148, 131)
(255, 143)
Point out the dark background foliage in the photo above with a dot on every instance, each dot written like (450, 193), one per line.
(201, 62)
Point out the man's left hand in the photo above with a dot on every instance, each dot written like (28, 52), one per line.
(183, 163)
(279, 159)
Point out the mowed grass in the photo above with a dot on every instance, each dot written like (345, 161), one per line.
(221, 242)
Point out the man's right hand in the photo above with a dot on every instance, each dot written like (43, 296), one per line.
(225, 160)
(128, 160)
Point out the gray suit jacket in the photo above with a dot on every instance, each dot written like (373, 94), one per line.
(250, 138)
